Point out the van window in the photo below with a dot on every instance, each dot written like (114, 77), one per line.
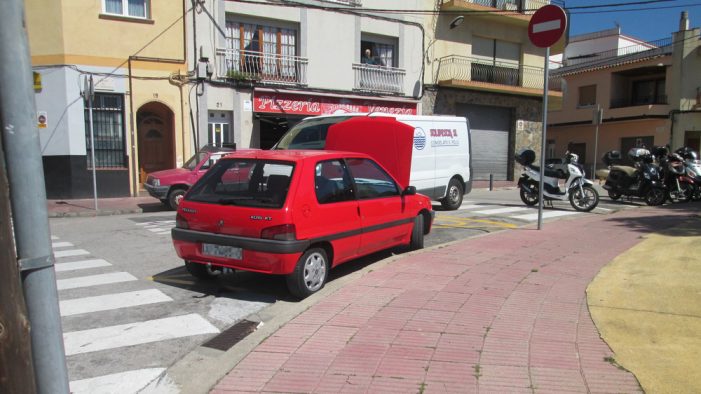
(371, 181)
(332, 182)
(244, 182)
(308, 134)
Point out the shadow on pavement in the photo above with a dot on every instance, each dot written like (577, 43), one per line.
(666, 223)
(153, 207)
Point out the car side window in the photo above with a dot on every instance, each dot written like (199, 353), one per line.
(210, 162)
(371, 181)
(332, 183)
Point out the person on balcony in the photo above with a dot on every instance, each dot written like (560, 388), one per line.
(369, 59)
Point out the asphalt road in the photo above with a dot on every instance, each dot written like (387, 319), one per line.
(131, 310)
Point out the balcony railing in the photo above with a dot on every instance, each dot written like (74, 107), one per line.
(522, 6)
(265, 68)
(627, 53)
(379, 79)
(464, 68)
(630, 102)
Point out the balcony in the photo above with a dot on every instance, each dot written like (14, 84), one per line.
(515, 11)
(378, 79)
(260, 67)
(474, 73)
(631, 102)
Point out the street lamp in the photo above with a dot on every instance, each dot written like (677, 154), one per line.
(457, 22)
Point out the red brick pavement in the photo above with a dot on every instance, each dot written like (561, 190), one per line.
(500, 313)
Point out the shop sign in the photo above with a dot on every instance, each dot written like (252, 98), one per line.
(320, 105)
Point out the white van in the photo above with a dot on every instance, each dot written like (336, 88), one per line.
(432, 153)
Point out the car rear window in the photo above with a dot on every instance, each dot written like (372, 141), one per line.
(244, 182)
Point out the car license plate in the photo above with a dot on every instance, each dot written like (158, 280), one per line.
(230, 252)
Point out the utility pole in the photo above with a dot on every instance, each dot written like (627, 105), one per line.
(30, 222)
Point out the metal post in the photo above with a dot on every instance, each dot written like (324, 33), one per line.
(90, 91)
(543, 138)
(28, 201)
(491, 182)
(597, 121)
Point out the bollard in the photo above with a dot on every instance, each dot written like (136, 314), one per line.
(491, 182)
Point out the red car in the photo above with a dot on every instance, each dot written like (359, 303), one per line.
(297, 213)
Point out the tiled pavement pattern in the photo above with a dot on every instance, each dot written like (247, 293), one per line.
(500, 313)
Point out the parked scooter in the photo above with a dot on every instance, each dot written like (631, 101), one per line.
(642, 181)
(693, 169)
(577, 189)
(673, 174)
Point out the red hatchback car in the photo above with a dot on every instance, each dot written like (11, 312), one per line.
(297, 213)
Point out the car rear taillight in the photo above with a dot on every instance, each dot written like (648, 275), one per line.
(284, 232)
(180, 222)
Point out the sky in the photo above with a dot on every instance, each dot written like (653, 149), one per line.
(647, 22)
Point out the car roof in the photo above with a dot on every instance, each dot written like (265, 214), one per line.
(292, 154)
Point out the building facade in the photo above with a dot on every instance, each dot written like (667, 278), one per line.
(271, 64)
(135, 53)
(622, 93)
(481, 64)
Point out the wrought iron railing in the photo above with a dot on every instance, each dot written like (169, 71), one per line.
(522, 6)
(265, 68)
(379, 79)
(632, 102)
(465, 68)
(630, 52)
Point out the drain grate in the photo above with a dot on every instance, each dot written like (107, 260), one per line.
(232, 335)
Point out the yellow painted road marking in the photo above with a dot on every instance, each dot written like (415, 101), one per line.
(460, 222)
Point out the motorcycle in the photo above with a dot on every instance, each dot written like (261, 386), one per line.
(578, 190)
(643, 180)
(693, 169)
(673, 173)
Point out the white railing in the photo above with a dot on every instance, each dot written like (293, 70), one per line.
(465, 68)
(523, 6)
(266, 68)
(374, 78)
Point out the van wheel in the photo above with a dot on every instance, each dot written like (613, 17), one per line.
(453, 198)
(174, 198)
(201, 271)
(310, 273)
(417, 233)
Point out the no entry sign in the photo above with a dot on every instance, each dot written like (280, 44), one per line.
(547, 25)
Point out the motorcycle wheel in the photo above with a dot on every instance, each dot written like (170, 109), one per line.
(655, 196)
(529, 198)
(614, 195)
(584, 200)
(684, 193)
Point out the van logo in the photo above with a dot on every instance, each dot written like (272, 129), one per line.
(419, 139)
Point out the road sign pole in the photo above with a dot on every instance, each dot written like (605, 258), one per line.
(543, 138)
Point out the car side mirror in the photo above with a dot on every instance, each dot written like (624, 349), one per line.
(409, 191)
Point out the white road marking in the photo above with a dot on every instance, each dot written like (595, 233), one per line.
(81, 265)
(53, 237)
(164, 232)
(502, 210)
(78, 342)
(125, 382)
(94, 280)
(472, 206)
(548, 214)
(70, 253)
(111, 301)
(61, 244)
(546, 26)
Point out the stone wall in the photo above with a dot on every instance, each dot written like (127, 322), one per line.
(526, 124)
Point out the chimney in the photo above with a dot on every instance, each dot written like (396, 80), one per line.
(684, 21)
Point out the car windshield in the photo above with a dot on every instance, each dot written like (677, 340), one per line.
(309, 133)
(244, 182)
(191, 163)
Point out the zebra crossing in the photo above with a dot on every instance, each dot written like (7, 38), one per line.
(523, 213)
(159, 227)
(81, 282)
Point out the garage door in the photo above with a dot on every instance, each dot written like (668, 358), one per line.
(490, 139)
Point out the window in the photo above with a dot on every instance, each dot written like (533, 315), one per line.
(587, 96)
(649, 92)
(108, 130)
(262, 49)
(495, 61)
(129, 8)
(370, 180)
(332, 183)
(378, 53)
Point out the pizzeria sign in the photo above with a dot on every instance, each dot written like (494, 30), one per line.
(320, 105)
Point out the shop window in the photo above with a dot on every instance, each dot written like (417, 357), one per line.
(587, 96)
(108, 131)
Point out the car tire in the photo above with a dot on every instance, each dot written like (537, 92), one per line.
(174, 198)
(201, 271)
(310, 273)
(417, 233)
(453, 196)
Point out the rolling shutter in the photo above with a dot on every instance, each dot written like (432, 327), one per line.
(490, 139)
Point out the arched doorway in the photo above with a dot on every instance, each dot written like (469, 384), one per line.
(156, 138)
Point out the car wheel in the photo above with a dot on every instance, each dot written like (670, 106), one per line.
(453, 198)
(201, 271)
(174, 198)
(310, 273)
(417, 233)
